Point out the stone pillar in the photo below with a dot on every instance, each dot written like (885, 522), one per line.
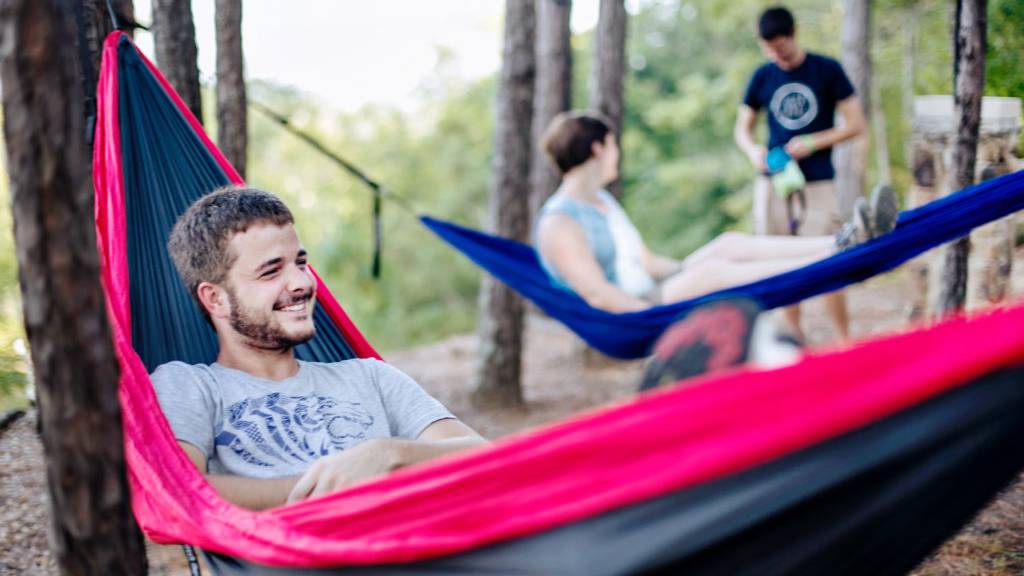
(991, 245)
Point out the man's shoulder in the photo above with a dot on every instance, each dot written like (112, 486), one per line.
(177, 368)
(350, 366)
(822, 60)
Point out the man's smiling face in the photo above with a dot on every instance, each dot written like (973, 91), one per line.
(270, 289)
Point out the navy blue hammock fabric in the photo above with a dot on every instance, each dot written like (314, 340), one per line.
(631, 335)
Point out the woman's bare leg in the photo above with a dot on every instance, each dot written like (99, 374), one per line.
(711, 274)
(739, 247)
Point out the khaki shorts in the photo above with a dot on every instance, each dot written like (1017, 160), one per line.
(819, 216)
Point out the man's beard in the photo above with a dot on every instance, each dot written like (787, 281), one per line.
(262, 330)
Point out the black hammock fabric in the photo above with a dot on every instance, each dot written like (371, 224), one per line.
(857, 462)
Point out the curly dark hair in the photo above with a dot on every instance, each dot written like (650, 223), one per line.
(199, 240)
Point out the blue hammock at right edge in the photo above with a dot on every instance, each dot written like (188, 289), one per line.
(631, 335)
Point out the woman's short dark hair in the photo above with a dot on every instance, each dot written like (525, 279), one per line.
(774, 22)
(569, 139)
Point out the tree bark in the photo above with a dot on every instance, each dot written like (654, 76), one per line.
(174, 39)
(553, 92)
(969, 83)
(93, 531)
(609, 68)
(231, 99)
(881, 136)
(501, 310)
(852, 156)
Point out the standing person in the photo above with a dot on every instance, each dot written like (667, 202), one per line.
(802, 92)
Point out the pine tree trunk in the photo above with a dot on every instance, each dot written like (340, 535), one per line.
(501, 310)
(174, 38)
(852, 156)
(553, 92)
(609, 68)
(93, 531)
(969, 82)
(231, 99)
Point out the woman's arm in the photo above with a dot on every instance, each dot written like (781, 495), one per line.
(563, 243)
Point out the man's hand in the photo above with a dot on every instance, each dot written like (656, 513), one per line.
(758, 156)
(800, 147)
(375, 457)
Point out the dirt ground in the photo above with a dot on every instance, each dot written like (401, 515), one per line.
(559, 380)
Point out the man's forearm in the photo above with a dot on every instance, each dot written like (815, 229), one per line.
(832, 136)
(252, 493)
(409, 452)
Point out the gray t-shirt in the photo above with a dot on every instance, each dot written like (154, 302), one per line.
(259, 428)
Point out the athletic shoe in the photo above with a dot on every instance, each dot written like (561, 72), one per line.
(884, 210)
(872, 221)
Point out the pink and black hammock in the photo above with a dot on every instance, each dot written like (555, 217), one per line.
(853, 462)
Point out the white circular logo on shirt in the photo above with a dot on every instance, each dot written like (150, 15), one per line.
(794, 105)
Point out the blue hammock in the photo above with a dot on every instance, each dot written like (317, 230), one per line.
(630, 335)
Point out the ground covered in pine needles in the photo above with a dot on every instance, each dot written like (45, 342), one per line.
(559, 380)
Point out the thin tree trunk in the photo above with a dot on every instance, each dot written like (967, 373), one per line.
(881, 136)
(174, 38)
(907, 86)
(501, 310)
(93, 531)
(969, 83)
(609, 68)
(553, 92)
(231, 100)
(852, 156)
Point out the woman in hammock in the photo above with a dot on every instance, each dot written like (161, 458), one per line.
(588, 245)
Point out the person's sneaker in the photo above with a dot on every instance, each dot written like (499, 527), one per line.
(858, 229)
(885, 210)
(715, 336)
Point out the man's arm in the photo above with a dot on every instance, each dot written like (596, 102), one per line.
(743, 134)
(853, 125)
(383, 455)
(370, 459)
(252, 493)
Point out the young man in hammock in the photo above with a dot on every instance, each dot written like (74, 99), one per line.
(588, 244)
(264, 427)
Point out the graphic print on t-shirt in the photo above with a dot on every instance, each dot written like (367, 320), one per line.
(278, 428)
(794, 105)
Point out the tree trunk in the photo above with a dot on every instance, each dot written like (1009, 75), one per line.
(553, 93)
(501, 310)
(852, 156)
(231, 100)
(969, 83)
(609, 68)
(907, 85)
(881, 135)
(93, 531)
(174, 38)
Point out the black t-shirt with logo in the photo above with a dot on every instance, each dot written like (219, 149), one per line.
(800, 101)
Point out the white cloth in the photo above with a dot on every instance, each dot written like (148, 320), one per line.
(630, 273)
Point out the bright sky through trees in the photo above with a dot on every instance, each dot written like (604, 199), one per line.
(349, 52)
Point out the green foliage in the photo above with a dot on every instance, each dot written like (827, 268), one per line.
(437, 158)
(1003, 75)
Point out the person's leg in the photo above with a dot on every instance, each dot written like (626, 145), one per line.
(739, 247)
(835, 305)
(771, 218)
(823, 217)
(712, 274)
